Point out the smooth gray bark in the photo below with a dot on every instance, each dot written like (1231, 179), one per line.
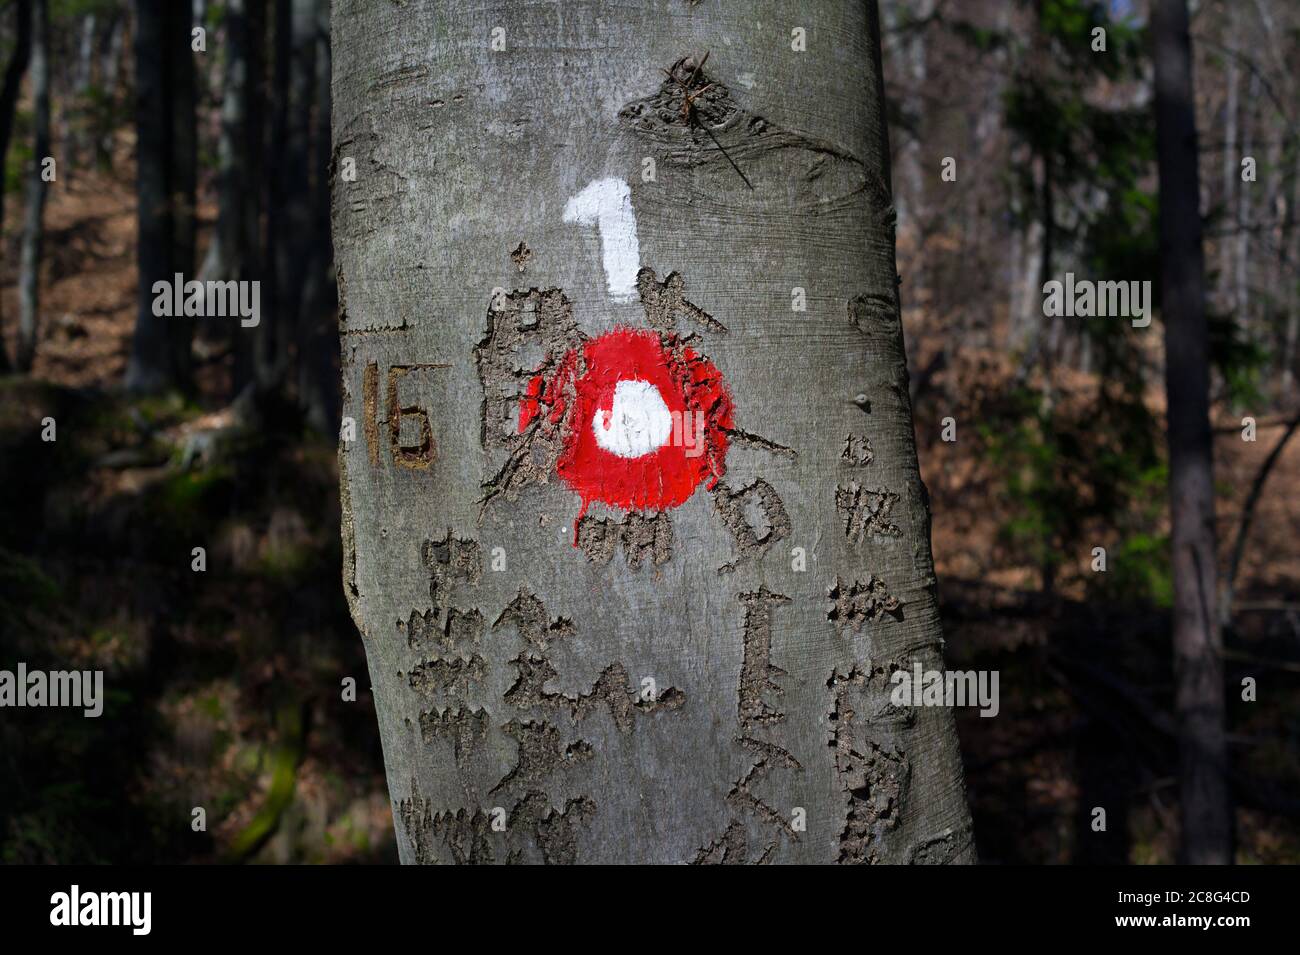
(1207, 825)
(514, 691)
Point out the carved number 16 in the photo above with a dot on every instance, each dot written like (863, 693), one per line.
(416, 456)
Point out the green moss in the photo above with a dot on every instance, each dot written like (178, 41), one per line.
(284, 777)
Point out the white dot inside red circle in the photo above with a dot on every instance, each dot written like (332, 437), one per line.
(637, 422)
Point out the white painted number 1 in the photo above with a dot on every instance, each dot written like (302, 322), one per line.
(608, 204)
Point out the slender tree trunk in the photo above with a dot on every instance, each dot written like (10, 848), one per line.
(302, 96)
(318, 380)
(165, 170)
(1290, 260)
(75, 116)
(1049, 332)
(289, 214)
(910, 47)
(110, 79)
(13, 82)
(235, 250)
(1042, 340)
(1198, 665)
(1231, 170)
(183, 171)
(1243, 312)
(29, 263)
(697, 666)
(150, 368)
(1015, 287)
(235, 246)
(281, 267)
(1029, 315)
(250, 372)
(224, 259)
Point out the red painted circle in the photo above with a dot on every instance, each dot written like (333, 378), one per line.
(690, 386)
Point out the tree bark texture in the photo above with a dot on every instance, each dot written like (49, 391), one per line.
(557, 682)
(1206, 835)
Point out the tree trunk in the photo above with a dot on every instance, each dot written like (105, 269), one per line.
(251, 368)
(29, 262)
(592, 639)
(76, 125)
(111, 81)
(152, 368)
(1198, 665)
(13, 82)
(183, 171)
(289, 211)
(1232, 183)
(318, 379)
(280, 266)
(1243, 312)
(910, 46)
(1290, 259)
(235, 249)
(167, 157)
(302, 94)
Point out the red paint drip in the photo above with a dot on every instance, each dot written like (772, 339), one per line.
(529, 405)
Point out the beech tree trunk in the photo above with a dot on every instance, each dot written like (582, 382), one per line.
(569, 664)
(1206, 835)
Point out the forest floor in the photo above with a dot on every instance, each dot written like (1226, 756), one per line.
(226, 684)
(237, 666)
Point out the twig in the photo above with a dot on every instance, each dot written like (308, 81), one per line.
(1248, 515)
(1250, 65)
(691, 114)
(728, 155)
